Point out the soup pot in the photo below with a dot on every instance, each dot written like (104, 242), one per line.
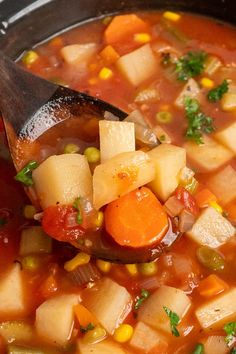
(28, 22)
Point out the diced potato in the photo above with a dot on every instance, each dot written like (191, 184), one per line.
(54, 318)
(152, 312)
(11, 292)
(78, 53)
(227, 137)
(21, 349)
(215, 344)
(169, 160)
(120, 175)
(228, 101)
(211, 229)
(191, 89)
(208, 156)
(146, 339)
(62, 179)
(212, 64)
(16, 331)
(34, 240)
(109, 302)
(115, 138)
(223, 185)
(138, 65)
(104, 347)
(217, 312)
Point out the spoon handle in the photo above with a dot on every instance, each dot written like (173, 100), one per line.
(21, 94)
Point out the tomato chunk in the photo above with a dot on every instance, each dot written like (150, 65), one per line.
(187, 200)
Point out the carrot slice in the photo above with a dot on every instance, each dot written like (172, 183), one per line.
(137, 219)
(124, 26)
(84, 316)
(109, 54)
(204, 198)
(211, 286)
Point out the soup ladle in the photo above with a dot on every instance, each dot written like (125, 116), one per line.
(32, 106)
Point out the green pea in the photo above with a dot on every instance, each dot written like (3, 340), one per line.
(164, 117)
(148, 269)
(71, 149)
(210, 258)
(92, 154)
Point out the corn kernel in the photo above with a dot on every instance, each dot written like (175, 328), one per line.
(99, 219)
(104, 266)
(123, 333)
(207, 83)
(172, 16)
(148, 269)
(80, 259)
(29, 211)
(30, 57)
(216, 206)
(105, 73)
(132, 269)
(142, 37)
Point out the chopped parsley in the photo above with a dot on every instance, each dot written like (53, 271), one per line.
(79, 218)
(140, 299)
(174, 321)
(198, 122)
(233, 351)
(2, 221)
(230, 330)
(217, 93)
(199, 349)
(87, 328)
(190, 65)
(25, 175)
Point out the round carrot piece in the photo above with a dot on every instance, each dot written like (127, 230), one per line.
(137, 219)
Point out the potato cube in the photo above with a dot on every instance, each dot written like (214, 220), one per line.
(169, 160)
(62, 178)
(219, 311)
(215, 344)
(34, 240)
(120, 175)
(115, 138)
(152, 312)
(228, 101)
(211, 229)
(208, 156)
(104, 347)
(227, 137)
(54, 318)
(191, 89)
(146, 339)
(19, 331)
(223, 185)
(138, 65)
(11, 292)
(78, 53)
(109, 302)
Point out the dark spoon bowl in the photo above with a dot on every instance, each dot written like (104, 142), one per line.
(27, 23)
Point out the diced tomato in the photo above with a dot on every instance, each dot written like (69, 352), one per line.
(187, 200)
(57, 223)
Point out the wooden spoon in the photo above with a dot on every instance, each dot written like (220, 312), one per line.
(30, 107)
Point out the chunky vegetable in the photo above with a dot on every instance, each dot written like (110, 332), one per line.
(227, 137)
(104, 347)
(136, 219)
(34, 240)
(121, 175)
(211, 286)
(78, 54)
(191, 89)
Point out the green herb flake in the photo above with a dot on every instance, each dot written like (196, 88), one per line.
(199, 349)
(140, 299)
(190, 65)
(3, 221)
(233, 351)
(25, 175)
(76, 205)
(230, 330)
(217, 93)
(198, 122)
(87, 328)
(174, 320)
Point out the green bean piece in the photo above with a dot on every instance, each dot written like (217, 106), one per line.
(210, 258)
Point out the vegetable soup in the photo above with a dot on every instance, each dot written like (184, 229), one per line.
(127, 243)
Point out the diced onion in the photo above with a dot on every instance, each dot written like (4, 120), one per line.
(186, 221)
(173, 206)
(84, 274)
